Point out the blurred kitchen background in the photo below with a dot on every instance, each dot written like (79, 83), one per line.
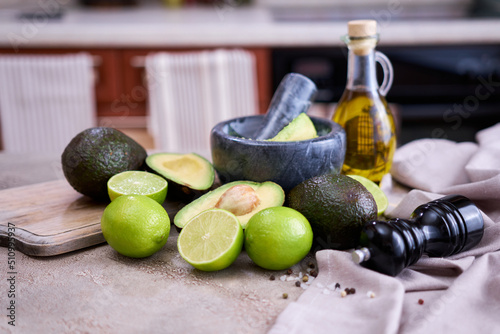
(445, 54)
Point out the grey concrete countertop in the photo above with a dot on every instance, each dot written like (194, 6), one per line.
(157, 26)
(97, 290)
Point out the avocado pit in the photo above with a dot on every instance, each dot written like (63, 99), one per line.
(239, 200)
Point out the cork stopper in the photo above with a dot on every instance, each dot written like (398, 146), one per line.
(362, 36)
(362, 28)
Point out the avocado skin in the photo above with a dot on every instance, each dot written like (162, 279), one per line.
(96, 154)
(337, 208)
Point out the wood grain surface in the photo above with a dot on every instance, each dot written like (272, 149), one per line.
(51, 218)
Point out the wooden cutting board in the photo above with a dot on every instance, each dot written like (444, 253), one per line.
(51, 218)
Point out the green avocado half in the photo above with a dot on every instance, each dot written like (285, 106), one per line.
(242, 198)
(189, 175)
(300, 128)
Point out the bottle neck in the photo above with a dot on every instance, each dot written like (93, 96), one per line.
(361, 72)
(361, 65)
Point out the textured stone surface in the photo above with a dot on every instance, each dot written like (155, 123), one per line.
(97, 290)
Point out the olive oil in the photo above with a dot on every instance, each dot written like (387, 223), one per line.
(362, 110)
(370, 131)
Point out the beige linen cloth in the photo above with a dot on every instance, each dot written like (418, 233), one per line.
(458, 294)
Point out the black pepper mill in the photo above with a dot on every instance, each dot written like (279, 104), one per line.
(440, 228)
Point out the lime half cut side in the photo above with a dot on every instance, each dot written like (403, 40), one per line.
(211, 240)
(138, 183)
(377, 193)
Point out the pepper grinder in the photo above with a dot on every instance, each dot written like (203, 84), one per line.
(440, 228)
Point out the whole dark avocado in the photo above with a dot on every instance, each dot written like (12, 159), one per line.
(96, 154)
(337, 208)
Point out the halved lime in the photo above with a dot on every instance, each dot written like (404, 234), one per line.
(138, 183)
(211, 240)
(374, 189)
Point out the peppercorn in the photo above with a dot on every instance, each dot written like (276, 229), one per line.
(352, 291)
(311, 265)
(305, 278)
(420, 301)
(289, 271)
(313, 273)
(285, 295)
(337, 286)
(343, 293)
(297, 284)
(272, 278)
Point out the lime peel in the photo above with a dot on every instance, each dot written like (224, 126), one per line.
(135, 225)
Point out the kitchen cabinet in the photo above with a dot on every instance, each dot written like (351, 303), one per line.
(108, 74)
(133, 100)
(120, 89)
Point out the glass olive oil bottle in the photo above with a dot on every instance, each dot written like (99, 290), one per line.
(362, 109)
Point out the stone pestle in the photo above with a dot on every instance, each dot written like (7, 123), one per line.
(293, 96)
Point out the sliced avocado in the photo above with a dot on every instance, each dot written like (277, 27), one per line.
(96, 154)
(189, 175)
(243, 198)
(301, 128)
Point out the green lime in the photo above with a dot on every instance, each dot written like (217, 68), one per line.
(135, 225)
(374, 189)
(138, 183)
(211, 240)
(277, 238)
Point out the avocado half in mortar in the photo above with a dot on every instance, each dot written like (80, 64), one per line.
(242, 198)
(189, 175)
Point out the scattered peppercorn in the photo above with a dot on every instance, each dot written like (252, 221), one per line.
(420, 301)
(305, 278)
(352, 291)
(285, 295)
(343, 293)
(311, 265)
(337, 286)
(297, 284)
(289, 271)
(313, 273)
(272, 278)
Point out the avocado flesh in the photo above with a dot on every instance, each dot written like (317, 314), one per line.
(269, 193)
(336, 206)
(300, 128)
(190, 170)
(96, 154)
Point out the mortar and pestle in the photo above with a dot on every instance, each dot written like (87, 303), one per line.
(240, 150)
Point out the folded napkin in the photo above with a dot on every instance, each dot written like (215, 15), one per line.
(458, 294)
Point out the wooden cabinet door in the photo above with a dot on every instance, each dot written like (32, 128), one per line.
(120, 87)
